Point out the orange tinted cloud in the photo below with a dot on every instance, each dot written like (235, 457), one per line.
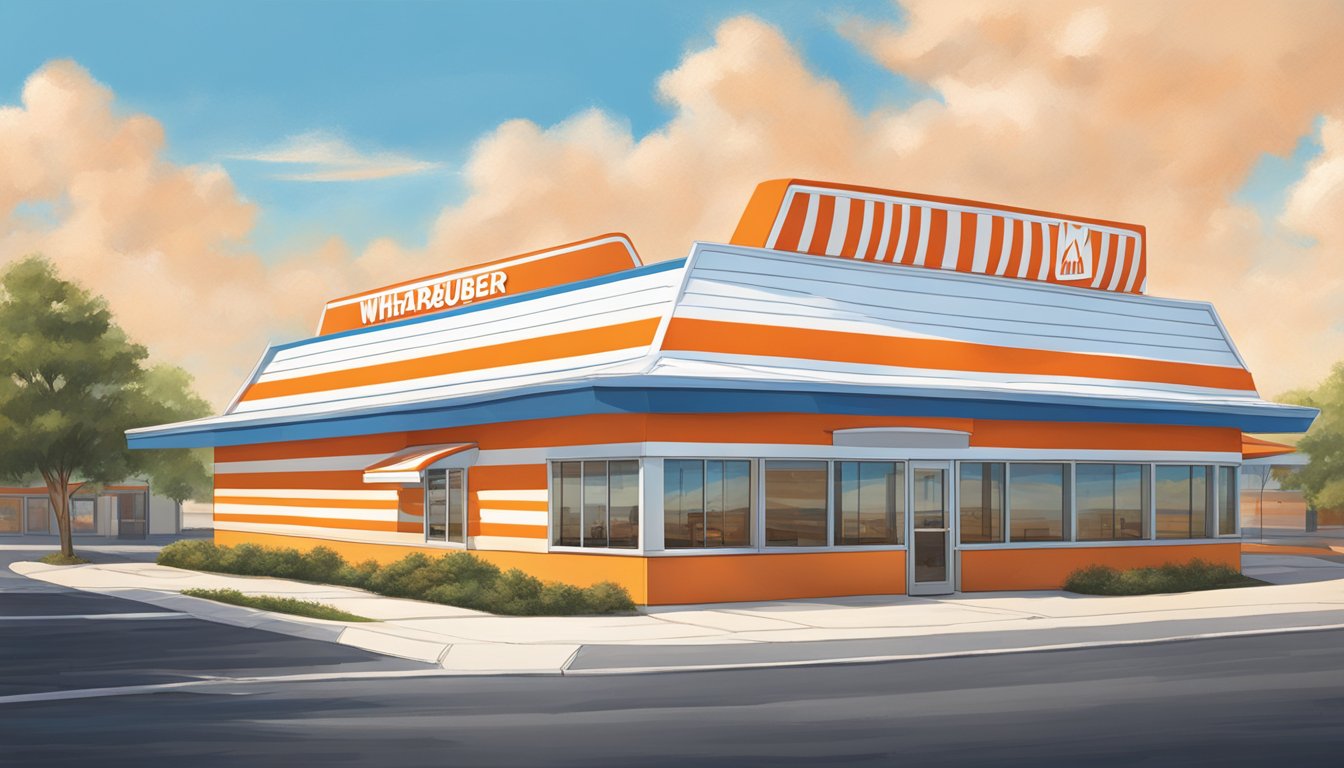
(1152, 113)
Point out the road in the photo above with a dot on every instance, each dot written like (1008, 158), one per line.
(1274, 699)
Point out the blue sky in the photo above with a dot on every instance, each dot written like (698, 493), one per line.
(421, 79)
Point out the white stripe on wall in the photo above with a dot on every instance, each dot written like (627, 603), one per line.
(328, 513)
(984, 232)
(1006, 248)
(513, 517)
(952, 242)
(315, 464)
(305, 493)
(508, 544)
(839, 225)
(1028, 229)
(922, 249)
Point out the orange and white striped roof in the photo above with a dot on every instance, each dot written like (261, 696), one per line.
(878, 225)
(406, 466)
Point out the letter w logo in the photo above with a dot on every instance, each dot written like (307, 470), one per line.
(1073, 256)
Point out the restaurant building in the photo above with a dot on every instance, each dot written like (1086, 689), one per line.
(863, 392)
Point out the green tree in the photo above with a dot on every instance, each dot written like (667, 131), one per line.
(71, 384)
(1322, 480)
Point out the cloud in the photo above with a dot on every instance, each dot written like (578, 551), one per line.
(331, 158)
(1151, 113)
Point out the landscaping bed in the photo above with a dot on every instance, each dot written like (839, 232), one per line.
(455, 578)
(1193, 576)
(309, 608)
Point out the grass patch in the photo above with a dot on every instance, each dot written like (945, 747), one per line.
(56, 558)
(1193, 576)
(456, 578)
(309, 608)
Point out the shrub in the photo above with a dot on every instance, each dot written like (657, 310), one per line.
(1172, 577)
(454, 578)
(292, 606)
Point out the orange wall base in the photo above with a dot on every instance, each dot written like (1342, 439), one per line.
(989, 570)
(737, 578)
(569, 568)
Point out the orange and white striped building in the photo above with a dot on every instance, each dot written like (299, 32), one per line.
(864, 392)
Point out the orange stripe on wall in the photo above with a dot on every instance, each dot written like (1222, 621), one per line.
(573, 344)
(855, 229)
(510, 504)
(1047, 568)
(933, 257)
(687, 334)
(508, 529)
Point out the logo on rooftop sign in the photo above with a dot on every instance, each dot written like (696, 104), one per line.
(1073, 256)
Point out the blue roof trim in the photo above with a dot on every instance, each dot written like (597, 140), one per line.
(625, 274)
(591, 399)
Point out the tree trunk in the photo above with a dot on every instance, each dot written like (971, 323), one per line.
(58, 490)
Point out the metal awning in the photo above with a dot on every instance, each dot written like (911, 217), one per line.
(405, 466)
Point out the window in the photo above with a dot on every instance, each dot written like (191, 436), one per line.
(795, 503)
(1227, 501)
(445, 506)
(11, 515)
(706, 503)
(595, 504)
(980, 497)
(39, 514)
(1038, 506)
(869, 502)
(1112, 501)
(1182, 501)
(83, 518)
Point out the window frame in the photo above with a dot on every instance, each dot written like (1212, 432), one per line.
(641, 486)
(445, 542)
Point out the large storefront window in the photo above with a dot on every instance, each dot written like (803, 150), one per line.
(595, 503)
(445, 506)
(706, 503)
(38, 510)
(981, 496)
(1182, 501)
(795, 503)
(11, 515)
(869, 502)
(1112, 501)
(83, 515)
(1227, 501)
(1038, 502)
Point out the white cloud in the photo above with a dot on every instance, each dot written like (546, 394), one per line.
(332, 158)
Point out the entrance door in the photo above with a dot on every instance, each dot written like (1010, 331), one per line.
(131, 517)
(930, 569)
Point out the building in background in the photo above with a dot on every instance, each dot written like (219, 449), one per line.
(128, 510)
(865, 391)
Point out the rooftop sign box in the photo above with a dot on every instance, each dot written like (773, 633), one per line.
(826, 219)
(584, 259)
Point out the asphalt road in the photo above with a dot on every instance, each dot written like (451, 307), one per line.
(1273, 699)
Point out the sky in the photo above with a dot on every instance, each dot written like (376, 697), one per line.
(217, 170)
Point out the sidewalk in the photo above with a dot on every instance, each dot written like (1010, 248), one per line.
(1307, 593)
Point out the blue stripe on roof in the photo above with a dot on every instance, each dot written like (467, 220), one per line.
(590, 399)
(625, 274)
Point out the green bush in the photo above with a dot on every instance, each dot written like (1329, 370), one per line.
(1193, 576)
(454, 578)
(292, 606)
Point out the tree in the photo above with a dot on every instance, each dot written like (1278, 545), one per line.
(1322, 480)
(71, 384)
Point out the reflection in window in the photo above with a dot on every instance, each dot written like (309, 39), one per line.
(82, 515)
(1227, 501)
(1038, 502)
(39, 514)
(595, 503)
(445, 507)
(869, 502)
(11, 515)
(1112, 501)
(981, 494)
(1182, 501)
(706, 503)
(795, 503)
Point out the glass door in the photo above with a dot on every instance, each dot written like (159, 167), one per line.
(930, 568)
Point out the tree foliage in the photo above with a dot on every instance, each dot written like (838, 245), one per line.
(72, 383)
(1322, 480)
